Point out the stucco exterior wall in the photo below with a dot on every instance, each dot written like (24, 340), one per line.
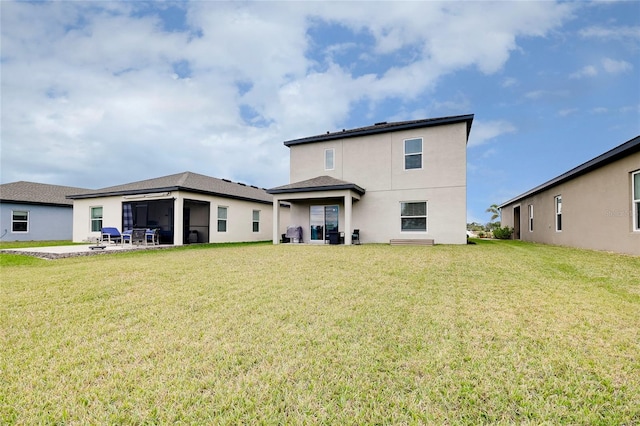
(376, 163)
(597, 211)
(45, 222)
(239, 217)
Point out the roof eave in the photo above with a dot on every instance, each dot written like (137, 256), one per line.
(38, 203)
(166, 189)
(353, 187)
(621, 151)
(371, 131)
(124, 192)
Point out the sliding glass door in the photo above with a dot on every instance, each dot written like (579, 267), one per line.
(323, 220)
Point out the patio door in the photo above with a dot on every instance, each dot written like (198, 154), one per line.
(323, 220)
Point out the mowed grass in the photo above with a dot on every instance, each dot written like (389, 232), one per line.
(498, 332)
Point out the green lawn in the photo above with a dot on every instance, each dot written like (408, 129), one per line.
(498, 332)
(22, 244)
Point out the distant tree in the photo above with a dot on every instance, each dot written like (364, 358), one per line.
(475, 227)
(495, 211)
(490, 226)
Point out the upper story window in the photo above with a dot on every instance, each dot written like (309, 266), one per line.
(222, 219)
(413, 153)
(256, 221)
(530, 217)
(19, 221)
(636, 200)
(329, 159)
(413, 216)
(96, 219)
(558, 203)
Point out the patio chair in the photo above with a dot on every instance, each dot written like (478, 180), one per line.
(355, 237)
(126, 236)
(152, 236)
(138, 236)
(111, 235)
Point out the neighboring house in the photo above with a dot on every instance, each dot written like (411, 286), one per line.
(36, 211)
(594, 206)
(403, 180)
(185, 207)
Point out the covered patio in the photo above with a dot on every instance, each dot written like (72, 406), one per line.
(320, 206)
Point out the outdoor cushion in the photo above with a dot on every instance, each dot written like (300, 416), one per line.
(111, 234)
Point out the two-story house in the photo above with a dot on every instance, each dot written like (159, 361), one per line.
(391, 181)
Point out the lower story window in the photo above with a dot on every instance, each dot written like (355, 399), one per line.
(96, 219)
(413, 216)
(222, 219)
(256, 221)
(19, 221)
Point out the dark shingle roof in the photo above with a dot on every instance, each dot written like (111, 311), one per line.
(621, 151)
(186, 181)
(386, 127)
(38, 193)
(320, 183)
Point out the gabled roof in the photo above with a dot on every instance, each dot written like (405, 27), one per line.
(621, 151)
(385, 127)
(38, 193)
(320, 183)
(187, 181)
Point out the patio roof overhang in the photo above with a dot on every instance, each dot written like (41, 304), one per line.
(320, 184)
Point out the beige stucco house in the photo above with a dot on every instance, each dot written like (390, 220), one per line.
(185, 208)
(391, 181)
(594, 206)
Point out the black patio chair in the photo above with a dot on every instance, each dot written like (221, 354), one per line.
(355, 237)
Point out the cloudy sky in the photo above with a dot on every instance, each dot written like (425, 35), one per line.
(96, 94)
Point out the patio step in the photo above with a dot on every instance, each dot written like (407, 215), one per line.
(412, 242)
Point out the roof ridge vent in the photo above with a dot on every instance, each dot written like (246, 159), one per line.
(226, 180)
(243, 184)
(381, 123)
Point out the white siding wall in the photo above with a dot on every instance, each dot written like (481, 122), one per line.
(239, 217)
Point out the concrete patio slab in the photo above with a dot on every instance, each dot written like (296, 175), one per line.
(59, 252)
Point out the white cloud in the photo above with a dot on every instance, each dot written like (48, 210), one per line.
(615, 33)
(84, 81)
(616, 67)
(546, 94)
(567, 111)
(587, 71)
(484, 131)
(509, 82)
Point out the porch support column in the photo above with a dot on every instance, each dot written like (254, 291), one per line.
(178, 221)
(348, 204)
(276, 219)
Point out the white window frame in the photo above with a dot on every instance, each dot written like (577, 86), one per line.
(222, 220)
(255, 222)
(329, 159)
(407, 154)
(530, 212)
(16, 221)
(557, 202)
(635, 200)
(96, 219)
(425, 216)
